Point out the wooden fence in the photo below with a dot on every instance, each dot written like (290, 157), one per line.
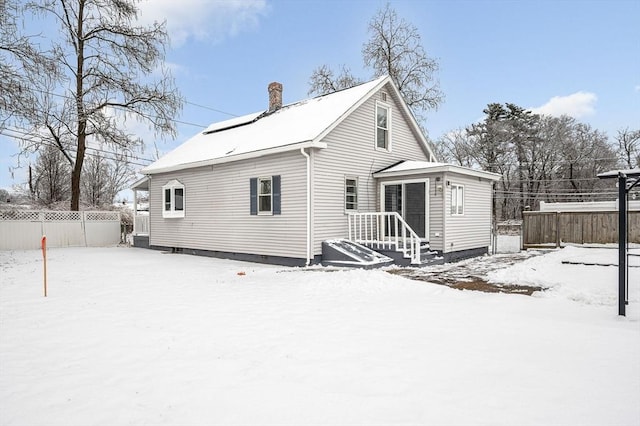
(23, 229)
(542, 229)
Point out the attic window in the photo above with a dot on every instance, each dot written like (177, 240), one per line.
(383, 126)
(383, 96)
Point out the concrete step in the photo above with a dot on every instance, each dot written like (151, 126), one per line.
(345, 253)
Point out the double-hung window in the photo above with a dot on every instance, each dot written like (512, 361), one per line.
(351, 194)
(383, 126)
(457, 200)
(264, 196)
(173, 199)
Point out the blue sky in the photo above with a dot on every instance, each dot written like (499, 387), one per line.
(580, 58)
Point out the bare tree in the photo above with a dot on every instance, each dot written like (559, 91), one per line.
(103, 178)
(108, 66)
(323, 80)
(17, 56)
(455, 147)
(629, 147)
(585, 153)
(50, 180)
(394, 48)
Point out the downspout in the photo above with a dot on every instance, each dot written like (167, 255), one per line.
(135, 210)
(302, 151)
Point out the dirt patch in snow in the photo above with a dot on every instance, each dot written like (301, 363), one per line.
(471, 274)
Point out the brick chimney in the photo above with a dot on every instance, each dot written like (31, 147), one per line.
(275, 96)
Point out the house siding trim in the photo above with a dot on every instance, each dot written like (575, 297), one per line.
(243, 257)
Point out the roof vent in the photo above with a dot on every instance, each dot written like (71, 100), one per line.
(275, 96)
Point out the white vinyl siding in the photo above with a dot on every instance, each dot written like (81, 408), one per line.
(218, 216)
(473, 228)
(436, 212)
(351, 152)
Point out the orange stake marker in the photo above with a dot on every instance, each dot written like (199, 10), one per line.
(43, 245)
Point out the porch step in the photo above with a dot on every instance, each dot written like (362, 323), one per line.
(345, 253)
(427, 256)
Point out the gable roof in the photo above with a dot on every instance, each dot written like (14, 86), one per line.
(405, 168)
(298, 125)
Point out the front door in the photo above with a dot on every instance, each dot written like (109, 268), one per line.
(409, 199)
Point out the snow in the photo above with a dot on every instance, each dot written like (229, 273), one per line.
(580, 283)
(412, 166)
(508, 243)
(293, 124)
(139, 337)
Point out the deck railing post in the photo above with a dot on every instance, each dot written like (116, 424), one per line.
(384, 230)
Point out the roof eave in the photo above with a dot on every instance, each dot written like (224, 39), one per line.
(237, 157)
(440, 169)
(353, 107)
(141, 184)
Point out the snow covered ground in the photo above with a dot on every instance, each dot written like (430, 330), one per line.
(137, 337)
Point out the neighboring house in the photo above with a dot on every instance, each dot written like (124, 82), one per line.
(341, 169)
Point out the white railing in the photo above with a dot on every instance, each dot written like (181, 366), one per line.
(141, 225)
(385, 230)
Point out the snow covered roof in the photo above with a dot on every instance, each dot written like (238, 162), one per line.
(615, 173)
(299, 125)
(419, 167)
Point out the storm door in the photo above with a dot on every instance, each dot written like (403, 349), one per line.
(392, 203)
(409, 199)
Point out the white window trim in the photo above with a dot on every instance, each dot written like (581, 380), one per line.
(258, 194)
(389, 124)
(458, 188)
(173, 213)
(346, 210)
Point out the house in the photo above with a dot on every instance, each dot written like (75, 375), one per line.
(326, 179)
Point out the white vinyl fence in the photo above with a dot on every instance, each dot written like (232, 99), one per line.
(23, 229)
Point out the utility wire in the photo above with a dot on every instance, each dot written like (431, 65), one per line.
(43, 140)
(46, 143)
(202, 126)
(211, 109)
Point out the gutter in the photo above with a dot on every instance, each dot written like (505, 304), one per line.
(232, 158)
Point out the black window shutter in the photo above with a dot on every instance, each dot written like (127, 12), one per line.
(253, 195)
(275, 182)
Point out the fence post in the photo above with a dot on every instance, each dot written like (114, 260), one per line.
(83, 219)
(558, 229)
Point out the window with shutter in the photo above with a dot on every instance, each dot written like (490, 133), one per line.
(265, 195)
